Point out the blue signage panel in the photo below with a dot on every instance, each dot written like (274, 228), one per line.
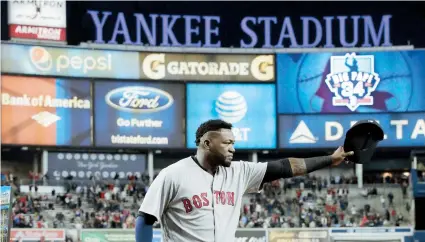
(328, 131)
(250, 108)
(139, 114)
(361, 82)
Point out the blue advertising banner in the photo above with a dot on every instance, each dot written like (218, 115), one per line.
(328, 131)
(250, 108)
(46, 111)
(363, 82)
(75, 62)
(139, 114)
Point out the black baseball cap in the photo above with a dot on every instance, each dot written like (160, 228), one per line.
(363, 138)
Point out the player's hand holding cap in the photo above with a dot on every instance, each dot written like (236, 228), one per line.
(363, 138)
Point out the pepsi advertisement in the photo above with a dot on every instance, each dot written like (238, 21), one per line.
(251, 108)
(355, 82)
(142, 115)
(328, 131)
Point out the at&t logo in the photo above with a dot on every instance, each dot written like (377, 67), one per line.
(232, 107)
(352, 79)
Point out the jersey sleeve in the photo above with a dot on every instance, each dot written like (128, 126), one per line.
(158, 196)
(253, 174)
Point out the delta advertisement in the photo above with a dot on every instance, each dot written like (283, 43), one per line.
(355, 82)
(37, 20)
(45, 111)
(328, 131)
(207, 67)
(83, 166)
(243, 105)
(139, 114)
(75, 62)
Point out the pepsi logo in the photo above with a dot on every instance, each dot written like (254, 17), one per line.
(41, 58)
(231, 106)
(139, 99)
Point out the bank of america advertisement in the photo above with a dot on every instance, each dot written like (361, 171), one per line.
(250, 108)
(328, 131)
(45, 111)
(75, 62)
(139, 114)
(354, 82)
(207, 67)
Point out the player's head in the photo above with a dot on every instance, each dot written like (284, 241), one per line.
(216, 138)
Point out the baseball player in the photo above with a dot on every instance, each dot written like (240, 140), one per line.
(199, 198)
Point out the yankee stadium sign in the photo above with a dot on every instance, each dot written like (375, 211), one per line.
(255, 32)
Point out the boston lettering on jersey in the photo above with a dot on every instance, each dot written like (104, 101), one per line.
(201, 200)
(246, 25)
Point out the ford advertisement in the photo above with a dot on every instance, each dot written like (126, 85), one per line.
(328, 131)
(250, 108)
(138, 114)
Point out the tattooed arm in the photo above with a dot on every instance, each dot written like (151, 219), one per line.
(290, 167)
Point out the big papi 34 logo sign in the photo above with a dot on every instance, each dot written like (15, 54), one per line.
(352, 79)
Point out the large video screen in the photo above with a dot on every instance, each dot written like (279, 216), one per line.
(139, 114)
(45, 111)
(251, 108)
(328, 131)
(360, 82)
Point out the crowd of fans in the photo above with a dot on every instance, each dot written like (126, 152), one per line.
(311, 202)
(298, 202)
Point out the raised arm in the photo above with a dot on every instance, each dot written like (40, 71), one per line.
(290, 167)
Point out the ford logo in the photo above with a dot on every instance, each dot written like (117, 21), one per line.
(139, 99)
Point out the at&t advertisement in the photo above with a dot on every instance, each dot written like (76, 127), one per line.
(328, 131)
(139, 114)
(357, 82)
(45, 111)
(249, 107)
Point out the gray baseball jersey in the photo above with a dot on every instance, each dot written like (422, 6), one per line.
(192, 205)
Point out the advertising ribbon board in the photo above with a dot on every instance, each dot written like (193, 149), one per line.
(294, 235)
(35, 235)
(114, 235)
